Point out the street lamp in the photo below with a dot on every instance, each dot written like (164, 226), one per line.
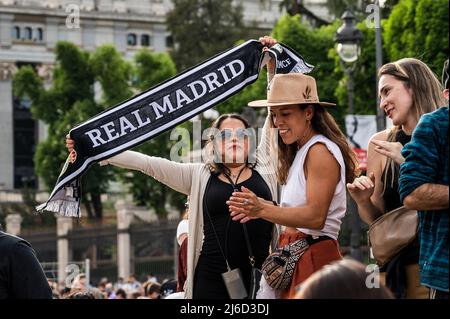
(348, 39)
(381, 121)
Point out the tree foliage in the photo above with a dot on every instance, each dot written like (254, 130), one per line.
(203, 28)
(71, 100)
(418, 28)
(68, 101)
(300, 37)
(151, 69)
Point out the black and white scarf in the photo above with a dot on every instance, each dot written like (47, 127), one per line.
(161, 108)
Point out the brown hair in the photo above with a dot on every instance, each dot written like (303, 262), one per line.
(343, 279)
(214, 167)
(323, 123)
(426, 96)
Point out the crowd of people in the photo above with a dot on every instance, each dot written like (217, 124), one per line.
(150, 288)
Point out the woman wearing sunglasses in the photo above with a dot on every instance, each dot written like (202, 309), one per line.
(214, 239)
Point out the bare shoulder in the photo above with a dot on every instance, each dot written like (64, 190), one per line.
(319, 154)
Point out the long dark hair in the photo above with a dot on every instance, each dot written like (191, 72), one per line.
(214, 166)
(323, 123)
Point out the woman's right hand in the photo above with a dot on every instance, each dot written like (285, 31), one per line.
(267, 41)
(362, 188)
(70, 144)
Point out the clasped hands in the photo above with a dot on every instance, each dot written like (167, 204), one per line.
(245, 205)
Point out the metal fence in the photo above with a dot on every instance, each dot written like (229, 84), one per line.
(153, 250)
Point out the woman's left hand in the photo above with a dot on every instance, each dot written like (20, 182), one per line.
(245, 205)
(389, 149)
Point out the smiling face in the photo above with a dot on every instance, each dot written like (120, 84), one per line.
(291, 121)
(232, 142)
(397, 101)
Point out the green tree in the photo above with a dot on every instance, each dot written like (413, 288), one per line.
(149, 70)
(203, 28)
(113, 73)
(69, 100)
(299, 36)
(294, 7)
(418, 28)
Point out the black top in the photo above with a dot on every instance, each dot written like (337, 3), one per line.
(391, 196)
(208, 281)
(21, 275)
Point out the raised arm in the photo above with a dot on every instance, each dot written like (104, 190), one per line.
(175, 175)
(267, 142)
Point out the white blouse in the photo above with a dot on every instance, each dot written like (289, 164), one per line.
(293, 193)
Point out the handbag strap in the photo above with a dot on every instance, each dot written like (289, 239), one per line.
(205, 207)
(249, 246)
(247, 238)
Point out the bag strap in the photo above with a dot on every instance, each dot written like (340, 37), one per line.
(251, 257)
(205, 207)
(249, 246)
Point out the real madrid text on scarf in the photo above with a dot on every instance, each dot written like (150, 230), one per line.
(161, 108)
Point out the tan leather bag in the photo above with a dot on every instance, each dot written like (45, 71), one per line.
(392, 232)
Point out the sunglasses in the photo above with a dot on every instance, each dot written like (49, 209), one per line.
(240, 134)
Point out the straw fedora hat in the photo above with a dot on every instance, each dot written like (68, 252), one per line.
(291, 88)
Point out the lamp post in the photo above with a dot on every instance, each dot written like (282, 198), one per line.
(348, 39)
(381, 122)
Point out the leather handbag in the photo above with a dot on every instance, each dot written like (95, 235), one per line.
(392, 232)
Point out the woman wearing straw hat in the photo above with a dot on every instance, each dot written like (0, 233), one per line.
(314, 164)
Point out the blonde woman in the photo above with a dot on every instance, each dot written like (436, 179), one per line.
(408, 89)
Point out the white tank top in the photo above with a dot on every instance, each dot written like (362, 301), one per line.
(293, 193)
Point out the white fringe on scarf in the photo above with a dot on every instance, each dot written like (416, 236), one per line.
(62, 207)
(62, 204)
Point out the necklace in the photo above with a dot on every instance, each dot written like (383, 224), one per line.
(236, 176)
